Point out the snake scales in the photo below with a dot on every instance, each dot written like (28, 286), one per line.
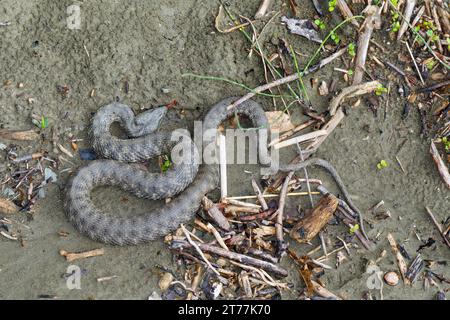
(188, 181)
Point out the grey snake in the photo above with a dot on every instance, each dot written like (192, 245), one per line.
(187, 182)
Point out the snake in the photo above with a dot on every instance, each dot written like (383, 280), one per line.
(186, 183)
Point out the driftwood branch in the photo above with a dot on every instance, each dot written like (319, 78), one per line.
(346, 12)
(308, 227)
(281, 248)
(81, 255)
(260, 196)
(265, 4)
(23, 135)
(267, 266)
(409, 8)
(373, 21)
(441, 166)
(401, 262)
(351, 92)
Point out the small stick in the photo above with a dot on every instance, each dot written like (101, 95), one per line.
(274, 195)
(329, 127)
(434, 87)
(443, 13)
(265, 4)
(65, 151)
(291, 132)
(342, 203)
(260, 215)
(400, 164)
(196, 281)
(258, 253)
(409, 8)
(346, 12)
(8, 236)
(34, 156)
(373, 21)
(245, 209)
(223, 166)
(217, 236)
(263, 274)
(418, 16)
(241, 203)
(27, 135)
(215, 214)
(351, 92)
(318, 7)
(415, 268)
(236, 257)
(325, 293)
(8, 207)
(197, 248)
(345, 245)
(102, 279)
(260, 196)
(5, 24)
(415, 63)
(302, 138)
(81, 255)
(438, 226)
(401, 262)
(395, 68)
(441, 166)
(281, 250)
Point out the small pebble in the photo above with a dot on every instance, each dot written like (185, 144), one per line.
(391, 278)
(165, 90)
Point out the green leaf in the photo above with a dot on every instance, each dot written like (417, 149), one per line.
(354, 229)
(44, 122)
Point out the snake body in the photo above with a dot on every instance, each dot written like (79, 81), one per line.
(187, 182)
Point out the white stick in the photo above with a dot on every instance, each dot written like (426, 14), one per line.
(409, 8)
(263, 9)
(302, 138)
(223, 166)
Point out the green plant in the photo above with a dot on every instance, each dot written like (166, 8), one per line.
(166, 163)
(332, 5)
(351, 49)
(394, 3)
(350, 72)
(430, 64)
(334, 36)
(382, 164)
(417, 34)
(446, 143)
(354, 228)
(395, 24)
(380, 90)
(432, 35)
(300, 80)
(43, 123)
(320, 24)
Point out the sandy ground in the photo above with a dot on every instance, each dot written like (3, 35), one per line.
(150, 44)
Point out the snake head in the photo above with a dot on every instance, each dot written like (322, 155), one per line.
(147, 122)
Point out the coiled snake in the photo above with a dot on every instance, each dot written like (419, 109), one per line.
(188, 181)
